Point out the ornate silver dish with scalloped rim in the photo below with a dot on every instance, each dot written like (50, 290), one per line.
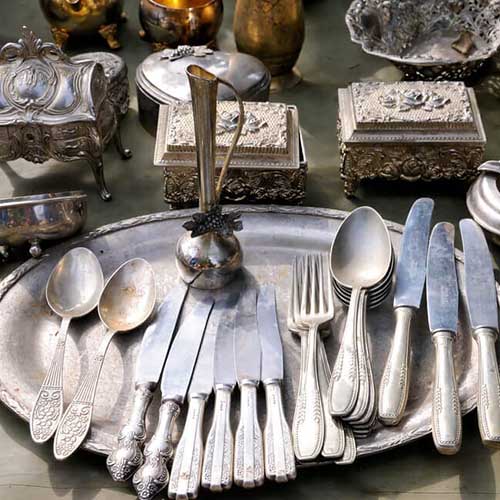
(428, 39)
(28, 329)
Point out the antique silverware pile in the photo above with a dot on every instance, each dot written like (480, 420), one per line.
(362, 277)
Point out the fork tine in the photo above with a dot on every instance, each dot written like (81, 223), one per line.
(321, 284)
(291, 301)
(328, 284)
(306, 286)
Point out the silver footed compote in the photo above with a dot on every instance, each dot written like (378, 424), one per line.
(72, 291)
(126, 302)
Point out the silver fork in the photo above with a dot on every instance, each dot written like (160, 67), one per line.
(314, 309)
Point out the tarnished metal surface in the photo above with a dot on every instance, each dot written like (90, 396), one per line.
(274, 236)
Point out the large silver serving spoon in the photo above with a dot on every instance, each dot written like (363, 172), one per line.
(73, 290)
(126, 302)
(360, 258)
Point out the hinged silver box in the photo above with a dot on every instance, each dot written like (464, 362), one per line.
(409, 131)
(269, 163)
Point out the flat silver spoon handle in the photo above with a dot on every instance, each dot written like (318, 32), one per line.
(49, 404)
(186, 469)
(124, 460)
(217, 472)
(344, 383)
(278, 449)
(248, 448)
(446, 414)
(334, 443)
(393, 392)
(308, 420)
(75, 423)
(488, 394)
(153, 475)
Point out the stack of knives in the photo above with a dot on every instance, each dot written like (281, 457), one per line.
(234, 341)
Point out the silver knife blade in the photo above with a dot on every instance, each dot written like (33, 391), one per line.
(182, 357)
(410, 270)
(442, 287)
(480, 287)
(158, 336)
(203, 376)
(224, 364)
(247, 343)
(269, 333)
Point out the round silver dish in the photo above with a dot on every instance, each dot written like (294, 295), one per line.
(32, 219)
(161, 80)
(423, 39)
(483, 200)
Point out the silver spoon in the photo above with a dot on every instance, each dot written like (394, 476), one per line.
(360, 258)
(126, 302)
(72, 291)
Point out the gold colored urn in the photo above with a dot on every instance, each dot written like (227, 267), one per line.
(84, 17)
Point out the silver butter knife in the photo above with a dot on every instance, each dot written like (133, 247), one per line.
(217, 473)
(480, 290)
(153, 476)
(248, 449)
(279, 458)
(127, 456)
(410, 279)
(186, 469)
(442, 310)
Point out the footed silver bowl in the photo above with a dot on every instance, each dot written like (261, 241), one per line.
(428, 39)
(32, 219)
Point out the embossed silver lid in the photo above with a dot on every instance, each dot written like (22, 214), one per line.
(161, 78)
(410, 112)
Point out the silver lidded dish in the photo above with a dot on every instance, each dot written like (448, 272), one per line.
(161, 78)
(432, 40)
(35, 218)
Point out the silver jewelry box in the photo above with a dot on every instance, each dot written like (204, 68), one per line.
(268, 166)
(410, 131)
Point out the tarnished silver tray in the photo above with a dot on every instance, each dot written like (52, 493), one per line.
(272, 236)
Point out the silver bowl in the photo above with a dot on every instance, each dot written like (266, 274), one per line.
(32, 219)
(428, 39)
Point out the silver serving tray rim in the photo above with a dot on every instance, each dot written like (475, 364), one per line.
(12, 400)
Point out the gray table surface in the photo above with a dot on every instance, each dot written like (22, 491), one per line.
(328, 61)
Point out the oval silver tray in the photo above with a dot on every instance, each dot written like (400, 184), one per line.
(272, 236)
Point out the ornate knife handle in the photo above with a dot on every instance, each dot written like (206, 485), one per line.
(248, 452)
(124, 460)
(218, 460)
(279, 458)
(446, 415)
(344, 384)
(186, 469)
(308, 419)
(334, 443)
(76, 420)
(488, 398)
(153, 475)
(49, 404)
(393, 392)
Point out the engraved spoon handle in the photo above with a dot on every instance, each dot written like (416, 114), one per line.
(248, 450)
(488, 397)
(334, 443)
(446, 415)
(186, 469)
(218, 459)
(48, 408)
(75, 422)
(308, 419)
(344, 383)
(395, 380)
(124, 460)
(279, 458)
(153, 475)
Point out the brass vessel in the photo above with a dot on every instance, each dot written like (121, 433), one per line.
(170, 23)
(84, 17)
(272, 31)
(209, 254)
